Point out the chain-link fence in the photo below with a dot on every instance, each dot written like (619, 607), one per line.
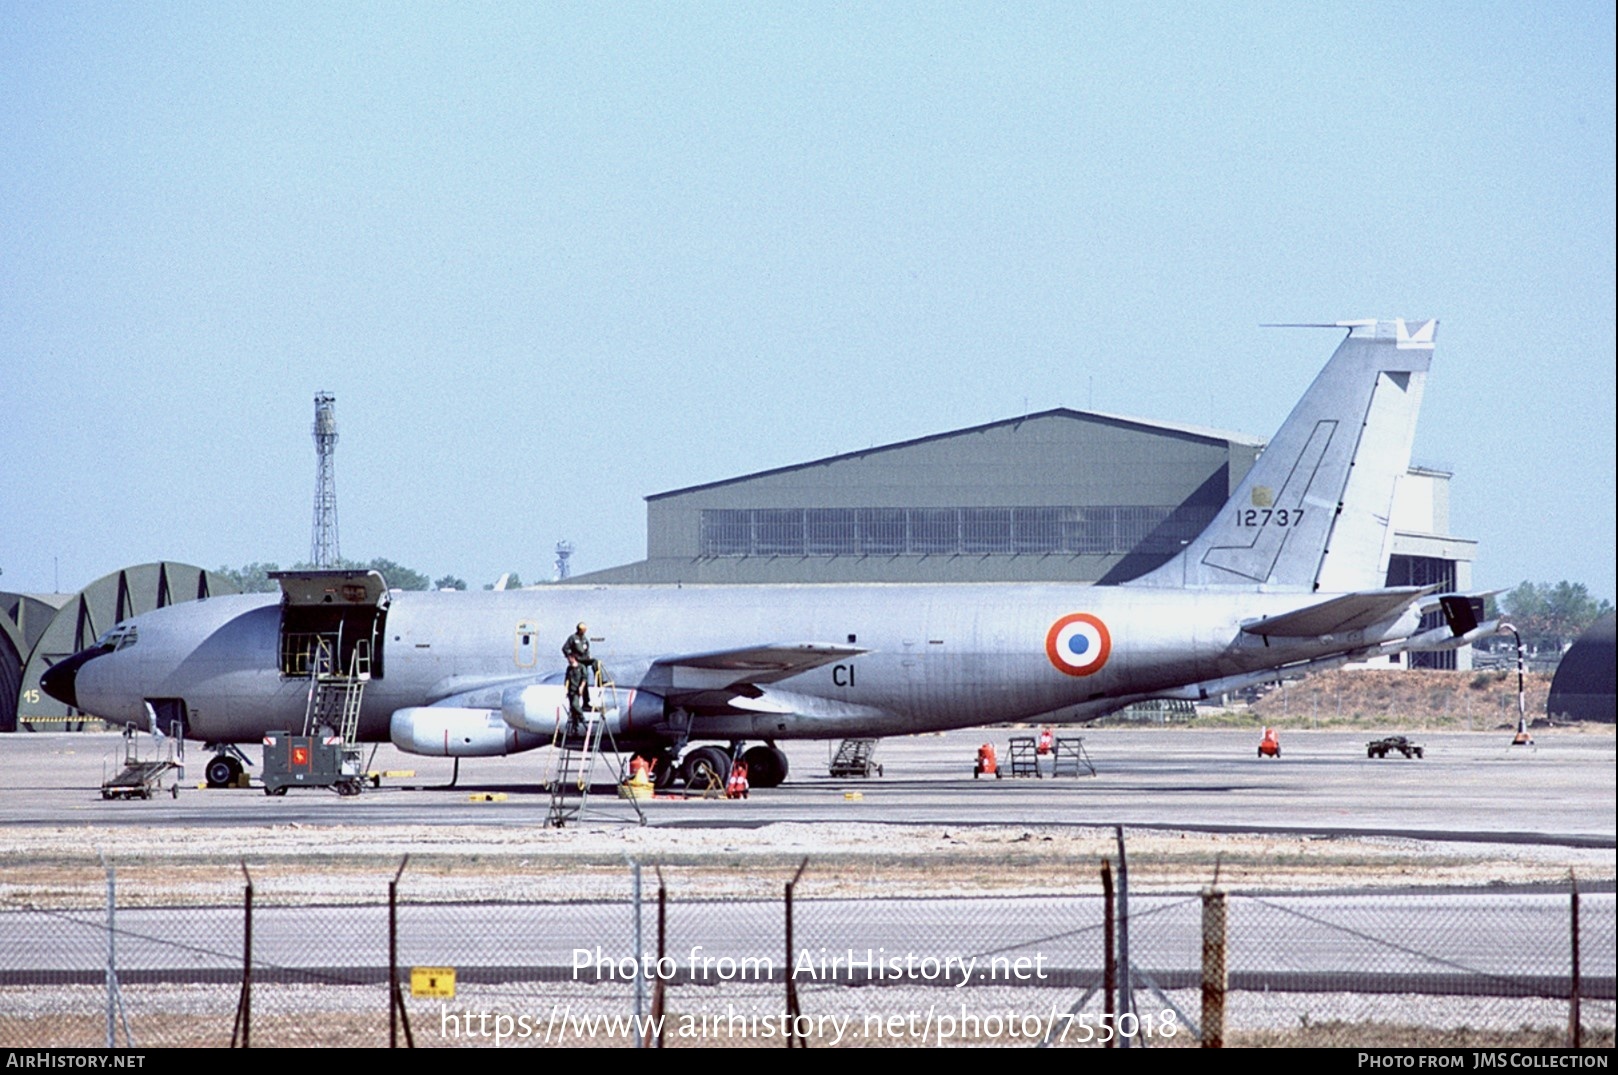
(85, 962)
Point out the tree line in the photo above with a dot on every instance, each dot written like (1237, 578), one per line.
(1550, 616)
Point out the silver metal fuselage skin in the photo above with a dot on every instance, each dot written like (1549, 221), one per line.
(1306, 532)
(937, 656)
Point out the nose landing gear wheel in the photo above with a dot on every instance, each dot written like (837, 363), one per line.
(222, 771)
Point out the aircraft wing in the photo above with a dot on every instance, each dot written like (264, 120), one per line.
(750, 665)
(714, 679)
(1348, 612)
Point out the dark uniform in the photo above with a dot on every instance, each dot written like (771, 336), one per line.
(577, 648)
(576, 688)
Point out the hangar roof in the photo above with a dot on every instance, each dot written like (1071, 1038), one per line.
(1173, 428)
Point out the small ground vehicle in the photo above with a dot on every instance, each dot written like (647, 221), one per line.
(310, 761)
(1270, 745)
(1379, 748)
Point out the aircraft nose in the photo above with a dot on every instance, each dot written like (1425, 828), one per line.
(60, 679)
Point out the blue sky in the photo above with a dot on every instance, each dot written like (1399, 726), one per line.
(554, 258)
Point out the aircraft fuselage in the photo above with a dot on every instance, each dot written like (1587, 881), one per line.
(934, 657)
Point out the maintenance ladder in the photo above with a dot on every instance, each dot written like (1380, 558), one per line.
(1068, 756)
(574, 757)
(855, 757)
(335, 696)
(1024, 756)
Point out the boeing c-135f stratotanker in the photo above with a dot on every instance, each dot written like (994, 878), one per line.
(1288, 578)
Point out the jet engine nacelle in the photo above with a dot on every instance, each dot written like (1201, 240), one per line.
(539, 708)
(452, 732)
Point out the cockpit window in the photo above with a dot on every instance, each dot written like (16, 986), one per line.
(122, 636)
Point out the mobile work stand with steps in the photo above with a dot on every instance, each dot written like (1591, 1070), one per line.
(576, 750)
(1023, 756)
(141, 777)
(1068, 757)
(855, 757)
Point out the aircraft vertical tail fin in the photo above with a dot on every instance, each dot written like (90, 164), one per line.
(1313, 513)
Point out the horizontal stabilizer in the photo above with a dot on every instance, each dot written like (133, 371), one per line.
(1463, 612)
(1350, 612)
(752, 664)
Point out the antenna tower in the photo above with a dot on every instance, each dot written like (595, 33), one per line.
(323, 551)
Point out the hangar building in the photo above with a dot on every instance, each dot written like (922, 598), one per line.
(1058, 496)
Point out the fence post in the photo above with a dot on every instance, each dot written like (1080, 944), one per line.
(662, 941)
(794, 1039)
(1109, 958)
(115, 998)
(1213, 968)
(112, 955)
(396, 1005)
(640, 955)
(241, 1033)
(1575, 1030)
(1126, 988)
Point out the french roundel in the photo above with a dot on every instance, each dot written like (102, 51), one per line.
(1078, 644)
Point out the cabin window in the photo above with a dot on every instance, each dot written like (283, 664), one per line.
(525, 647)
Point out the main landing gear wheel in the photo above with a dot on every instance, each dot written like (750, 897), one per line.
(222, 771)
(766, 766)
(712, 759)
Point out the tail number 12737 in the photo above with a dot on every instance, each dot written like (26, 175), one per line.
(1269, 517)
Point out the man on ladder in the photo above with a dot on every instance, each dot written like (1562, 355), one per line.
(576, 688)
(581, 668)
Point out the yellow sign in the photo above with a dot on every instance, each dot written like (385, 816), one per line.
(432, 982)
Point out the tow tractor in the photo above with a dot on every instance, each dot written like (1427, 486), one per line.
(311, 761)
(1379, 748)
